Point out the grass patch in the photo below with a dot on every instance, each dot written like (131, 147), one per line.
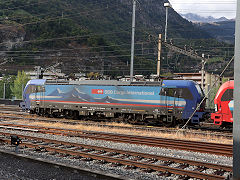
(181, 135)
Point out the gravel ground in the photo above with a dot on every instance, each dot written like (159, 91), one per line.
(18, 168)
(132, 174)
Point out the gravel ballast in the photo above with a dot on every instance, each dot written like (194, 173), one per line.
(120, 170)
(17, 166)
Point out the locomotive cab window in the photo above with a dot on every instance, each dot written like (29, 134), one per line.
(177, 92)
(227, 95)
(34, 89)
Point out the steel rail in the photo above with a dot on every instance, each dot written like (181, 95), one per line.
(213, 148)
(135, 127)
(125, 162)
(144, 155)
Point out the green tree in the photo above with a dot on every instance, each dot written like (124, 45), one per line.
(19, 83)
(8, 81)
(214, 91)
(93, 75)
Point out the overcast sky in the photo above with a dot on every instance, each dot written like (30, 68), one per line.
(215, 8)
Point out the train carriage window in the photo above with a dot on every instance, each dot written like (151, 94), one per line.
(177, 92)
(227, 95)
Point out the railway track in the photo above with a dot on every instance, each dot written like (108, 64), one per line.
(163, 165)
(12, 108)
(196, 146)
(103, 124)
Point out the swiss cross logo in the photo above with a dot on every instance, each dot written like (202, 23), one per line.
(97, 91)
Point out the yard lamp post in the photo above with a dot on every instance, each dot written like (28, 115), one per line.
(166, 5)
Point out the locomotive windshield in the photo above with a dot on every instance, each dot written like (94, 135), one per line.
(34, 89)
(199, 89)
(177, 92)
(228, 95)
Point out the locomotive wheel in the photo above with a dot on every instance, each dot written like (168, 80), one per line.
(227, 125)
(170, 121)
(55, 115)
(69, 114)
(130, 118)
(169, 124)
(132, 121)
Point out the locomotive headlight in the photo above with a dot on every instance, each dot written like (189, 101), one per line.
(216, 108)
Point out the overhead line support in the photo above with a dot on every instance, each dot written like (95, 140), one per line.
(236, 112)
(132, 44)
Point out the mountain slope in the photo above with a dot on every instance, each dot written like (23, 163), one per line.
(87, 35)
(222, 31)
(196, 18)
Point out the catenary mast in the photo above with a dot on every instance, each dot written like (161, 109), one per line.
(236, 113)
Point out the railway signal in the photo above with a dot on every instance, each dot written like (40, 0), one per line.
(15, 140)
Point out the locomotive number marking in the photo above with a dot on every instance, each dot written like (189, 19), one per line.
(108, 92)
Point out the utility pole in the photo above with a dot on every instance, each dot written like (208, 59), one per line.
(133, 34)
(4, 91)
(202, 71)
(236, 112)
(159, 54)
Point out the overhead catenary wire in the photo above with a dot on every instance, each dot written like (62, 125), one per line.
(74, 37)
(108, 56)
(71, 49)
(88, 52)
(69, 37)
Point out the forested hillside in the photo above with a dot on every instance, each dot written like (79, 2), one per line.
(88, 35)
(222, 31)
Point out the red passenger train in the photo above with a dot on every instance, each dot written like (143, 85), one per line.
(223, 101)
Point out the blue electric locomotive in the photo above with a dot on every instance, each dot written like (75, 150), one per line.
(169, 102)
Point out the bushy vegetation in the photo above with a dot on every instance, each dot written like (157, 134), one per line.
(6, 84)
(11, 86)
(19, 84)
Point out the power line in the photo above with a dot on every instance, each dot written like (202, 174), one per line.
(69, 37)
